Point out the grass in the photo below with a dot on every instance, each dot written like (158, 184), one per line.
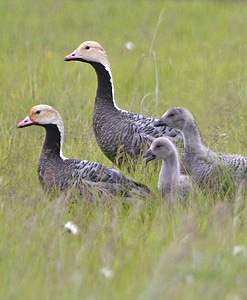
(187, 53)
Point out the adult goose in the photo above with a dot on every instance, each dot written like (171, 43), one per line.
(122, 136)
(208, 168)
(171, 182)
(58, 172)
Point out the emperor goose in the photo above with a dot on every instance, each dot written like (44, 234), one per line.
(59, 172)
(171, 182)
(120, 134)
(206, 167)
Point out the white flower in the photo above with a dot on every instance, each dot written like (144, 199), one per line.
(239, 249)
(189, 279)
(73, 228)
(107, 272)
(129, 46)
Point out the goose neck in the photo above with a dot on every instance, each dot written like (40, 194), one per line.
(105, 89)
(192, 137)
(170, 170)
(53, 142)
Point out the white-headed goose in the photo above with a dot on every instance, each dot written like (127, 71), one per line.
(58, 172)
(119, 133)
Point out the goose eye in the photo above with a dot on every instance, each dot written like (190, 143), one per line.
(87, 47)
(38, 112)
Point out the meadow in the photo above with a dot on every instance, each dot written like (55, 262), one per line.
(186, 53)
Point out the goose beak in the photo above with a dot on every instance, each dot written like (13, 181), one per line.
(26, 122)
(159, 123)
(149, 156)
(73, 56)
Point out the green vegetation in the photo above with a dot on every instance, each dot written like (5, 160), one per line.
(191, 54)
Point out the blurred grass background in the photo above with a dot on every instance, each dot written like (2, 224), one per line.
(186, 53)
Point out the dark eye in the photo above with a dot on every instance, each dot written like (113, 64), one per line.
(87, 47)
(171, 115)
(38, 112)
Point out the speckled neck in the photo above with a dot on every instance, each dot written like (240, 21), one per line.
(192, 137)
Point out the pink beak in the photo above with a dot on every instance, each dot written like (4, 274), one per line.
(26, 122)
(72, 56)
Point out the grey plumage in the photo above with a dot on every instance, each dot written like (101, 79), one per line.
(121, 135)
(171, 183)
(58, 172)
(208, 168)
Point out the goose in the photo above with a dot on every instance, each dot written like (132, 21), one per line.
(207, 168)
(122, 136)
(171, 182)
(55, 171)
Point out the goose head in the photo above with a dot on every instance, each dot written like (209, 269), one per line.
(161, 148)
(45, 115)
(42, 115)
(90, 52)
(176, 117)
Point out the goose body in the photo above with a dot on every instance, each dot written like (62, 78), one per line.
(120, 134)
(171, 182)
(58, 172)
(205, 166)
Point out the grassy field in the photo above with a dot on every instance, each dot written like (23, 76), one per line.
(191, 54)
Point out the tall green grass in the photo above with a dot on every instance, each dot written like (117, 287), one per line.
(187, 53)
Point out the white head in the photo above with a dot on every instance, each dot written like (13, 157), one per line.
(90, 52)
(42, 115)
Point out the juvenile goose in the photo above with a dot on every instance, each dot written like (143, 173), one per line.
(59, 172)
(171, 182)
(207, 167)
(121, 135)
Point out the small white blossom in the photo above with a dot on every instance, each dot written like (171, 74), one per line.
(239, 249)
(107, 272)
(189, 279)
(129, 46)
(73, 228)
